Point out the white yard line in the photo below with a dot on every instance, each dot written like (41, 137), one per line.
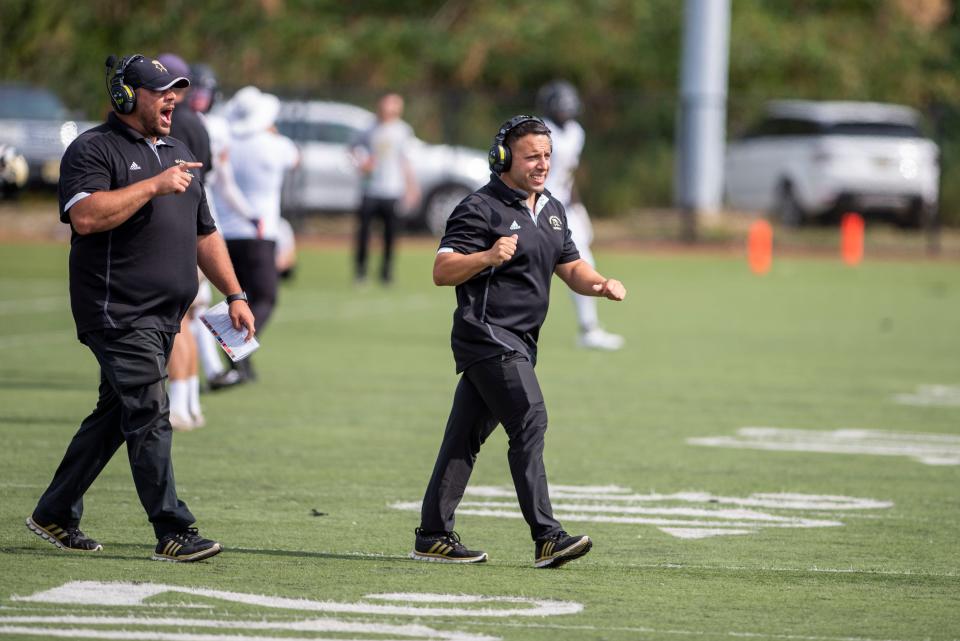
(693, 633)
(408, 632)
(130, 594)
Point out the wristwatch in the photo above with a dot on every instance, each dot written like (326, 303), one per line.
(235, 297)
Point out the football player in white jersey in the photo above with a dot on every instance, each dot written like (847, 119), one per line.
(559, 105)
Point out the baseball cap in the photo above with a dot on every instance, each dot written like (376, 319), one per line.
(153, 75)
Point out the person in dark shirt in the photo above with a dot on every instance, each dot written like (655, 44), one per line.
(140, 227)
(502, 245)
(183, 385)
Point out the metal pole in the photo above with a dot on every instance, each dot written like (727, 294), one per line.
(701, 127)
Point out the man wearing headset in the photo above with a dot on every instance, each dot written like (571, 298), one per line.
(140, 227)
(501, 247)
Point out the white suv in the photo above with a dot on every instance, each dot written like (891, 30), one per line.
(806, 159)
(327, 179)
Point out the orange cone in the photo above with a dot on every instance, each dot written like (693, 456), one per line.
(760, 247)
(851, 238)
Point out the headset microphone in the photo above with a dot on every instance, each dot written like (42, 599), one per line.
(123, 98)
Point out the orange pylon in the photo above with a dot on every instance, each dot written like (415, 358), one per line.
(851, 238)
(760, 247)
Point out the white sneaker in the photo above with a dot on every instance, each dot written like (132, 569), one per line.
(598, 338)
(181, 423)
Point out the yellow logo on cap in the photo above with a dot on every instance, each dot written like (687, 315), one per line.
(159, 66)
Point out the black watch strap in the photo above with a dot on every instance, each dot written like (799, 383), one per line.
(235, 297)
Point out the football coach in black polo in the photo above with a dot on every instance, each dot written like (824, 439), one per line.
(502, 245)
(140, 226)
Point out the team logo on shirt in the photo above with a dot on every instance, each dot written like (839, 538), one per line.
(555, 222)
(515, 226)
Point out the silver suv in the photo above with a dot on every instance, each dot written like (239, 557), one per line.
(35, 122)
(807, 159)
(327, 179)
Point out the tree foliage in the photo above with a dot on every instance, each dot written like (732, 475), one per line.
(467, 65)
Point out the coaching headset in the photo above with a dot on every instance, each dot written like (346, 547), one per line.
(499, 156)
(123, 98)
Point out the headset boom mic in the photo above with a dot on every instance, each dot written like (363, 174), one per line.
(111, 61)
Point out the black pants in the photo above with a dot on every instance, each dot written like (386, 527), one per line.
(385, 209)
(502, 390)
(132, 408)
(255, 263)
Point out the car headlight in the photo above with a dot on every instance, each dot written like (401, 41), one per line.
(68, 131)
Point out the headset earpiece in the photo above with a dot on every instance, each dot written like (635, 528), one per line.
(123, 98)
(499, 157)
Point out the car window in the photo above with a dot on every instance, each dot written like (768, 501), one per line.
(30, 104)
(329, 132)
(893, 130)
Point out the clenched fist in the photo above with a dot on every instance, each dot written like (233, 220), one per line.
(176, 179)
(502, 250)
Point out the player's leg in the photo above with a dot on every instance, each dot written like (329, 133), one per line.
(468, 427)
(178, 386)
(592, 335)
(364, 220)
(511, 389)
(60, 508)
(388, 209)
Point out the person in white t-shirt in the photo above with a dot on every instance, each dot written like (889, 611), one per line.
(382, 156)
(559, 105)
(259, 158)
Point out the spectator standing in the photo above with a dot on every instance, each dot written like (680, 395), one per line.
(382, 155)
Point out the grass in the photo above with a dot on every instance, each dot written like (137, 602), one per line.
(354, 391)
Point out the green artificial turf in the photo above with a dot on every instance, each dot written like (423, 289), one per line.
(346, 418)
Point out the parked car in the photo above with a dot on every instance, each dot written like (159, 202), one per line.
(806, 159)
(36, 123)
(327, 179)
(13, 170)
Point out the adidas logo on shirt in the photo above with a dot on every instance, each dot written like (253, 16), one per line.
(134, 166)
(514, 226)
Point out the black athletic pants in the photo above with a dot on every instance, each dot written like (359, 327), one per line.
(505, 390)
(132, 408)
(385, 209)
(255, 263)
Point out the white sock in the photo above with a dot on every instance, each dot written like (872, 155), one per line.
(193, 395)
(207, 349)
(178, 392)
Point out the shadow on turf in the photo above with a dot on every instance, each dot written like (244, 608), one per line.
(291, 553)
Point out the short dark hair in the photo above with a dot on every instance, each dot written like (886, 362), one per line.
(526, 128)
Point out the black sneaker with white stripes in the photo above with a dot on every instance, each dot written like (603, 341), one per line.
(185, 546)
(65, 538)
(443, 547)
(560, 548)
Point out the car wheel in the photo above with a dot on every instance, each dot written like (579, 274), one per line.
(786, 209)
(440, 204)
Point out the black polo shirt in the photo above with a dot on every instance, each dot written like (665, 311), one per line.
(501, 309)
(143, 273)
(188, 128)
